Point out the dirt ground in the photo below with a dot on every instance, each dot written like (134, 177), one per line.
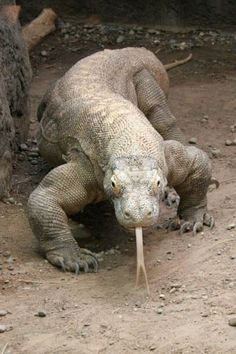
(192, 279)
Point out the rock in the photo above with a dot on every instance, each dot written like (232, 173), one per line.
(228, 142)
(3, 328)
(151, 31)
(193, 141)
(232, 322)
(159, 311)
(215, 152)
(162, 296)
(11, 200)
(21, 157)
(34, 162)
(23, 147)
(183, 45)
(231, 226)
(176, 285)
(41, 314)
(6, 254)
(120, 39)
(152, 347)
(33, 154)
(44, 53)
(3, 313)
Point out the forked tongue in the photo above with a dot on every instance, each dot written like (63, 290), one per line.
(140, 257)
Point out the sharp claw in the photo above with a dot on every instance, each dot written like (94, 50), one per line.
(209, 221)
(212, 222)
(62, 264)
(95, 265)
(77, 269)
(197, 227)
(185, 227)
(86, 267)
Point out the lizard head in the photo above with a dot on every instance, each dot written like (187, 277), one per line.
(135, 185)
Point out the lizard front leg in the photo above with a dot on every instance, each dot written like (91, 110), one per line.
(64, 191)
(189, 172)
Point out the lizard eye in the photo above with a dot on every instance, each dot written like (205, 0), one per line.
(115, 185)
(156, 183)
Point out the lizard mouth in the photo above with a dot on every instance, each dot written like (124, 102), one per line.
(132, 229)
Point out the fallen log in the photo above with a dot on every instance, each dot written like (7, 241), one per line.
(40, 27)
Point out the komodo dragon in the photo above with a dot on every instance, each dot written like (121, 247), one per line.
(108, 118)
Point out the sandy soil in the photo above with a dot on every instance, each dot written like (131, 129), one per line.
(192, 279)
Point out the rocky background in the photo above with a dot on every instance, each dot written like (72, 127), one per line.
(153, 12)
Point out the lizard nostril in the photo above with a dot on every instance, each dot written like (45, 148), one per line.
(127, 215)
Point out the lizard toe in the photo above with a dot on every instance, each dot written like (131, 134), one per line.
(198, 226)
(185, 227)
(90, 259)
(73, 261)
(208, 220)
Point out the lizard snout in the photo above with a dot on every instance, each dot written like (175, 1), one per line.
(148, 214)
(138, 216)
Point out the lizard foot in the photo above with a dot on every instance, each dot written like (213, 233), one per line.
(196, 224)
(71, 260)
(171, 224)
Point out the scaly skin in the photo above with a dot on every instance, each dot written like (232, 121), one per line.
(109, 120)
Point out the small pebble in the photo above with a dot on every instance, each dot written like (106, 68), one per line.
(232, 322)
(230, 226)
(41, 314)
(159, 311)
(23, 147)
(6, 254)
(215, 152)
(120, 39)
(11, 200)
(162, 296)
(44, 53)
(193, 141)
(3, 313)
(33, 154)
(34, 162)
(152, 347)
(3, 328)
(228, 142)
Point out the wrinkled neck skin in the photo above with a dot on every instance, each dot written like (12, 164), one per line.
(135, 184)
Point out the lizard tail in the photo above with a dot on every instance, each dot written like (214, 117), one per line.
(178, 62)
